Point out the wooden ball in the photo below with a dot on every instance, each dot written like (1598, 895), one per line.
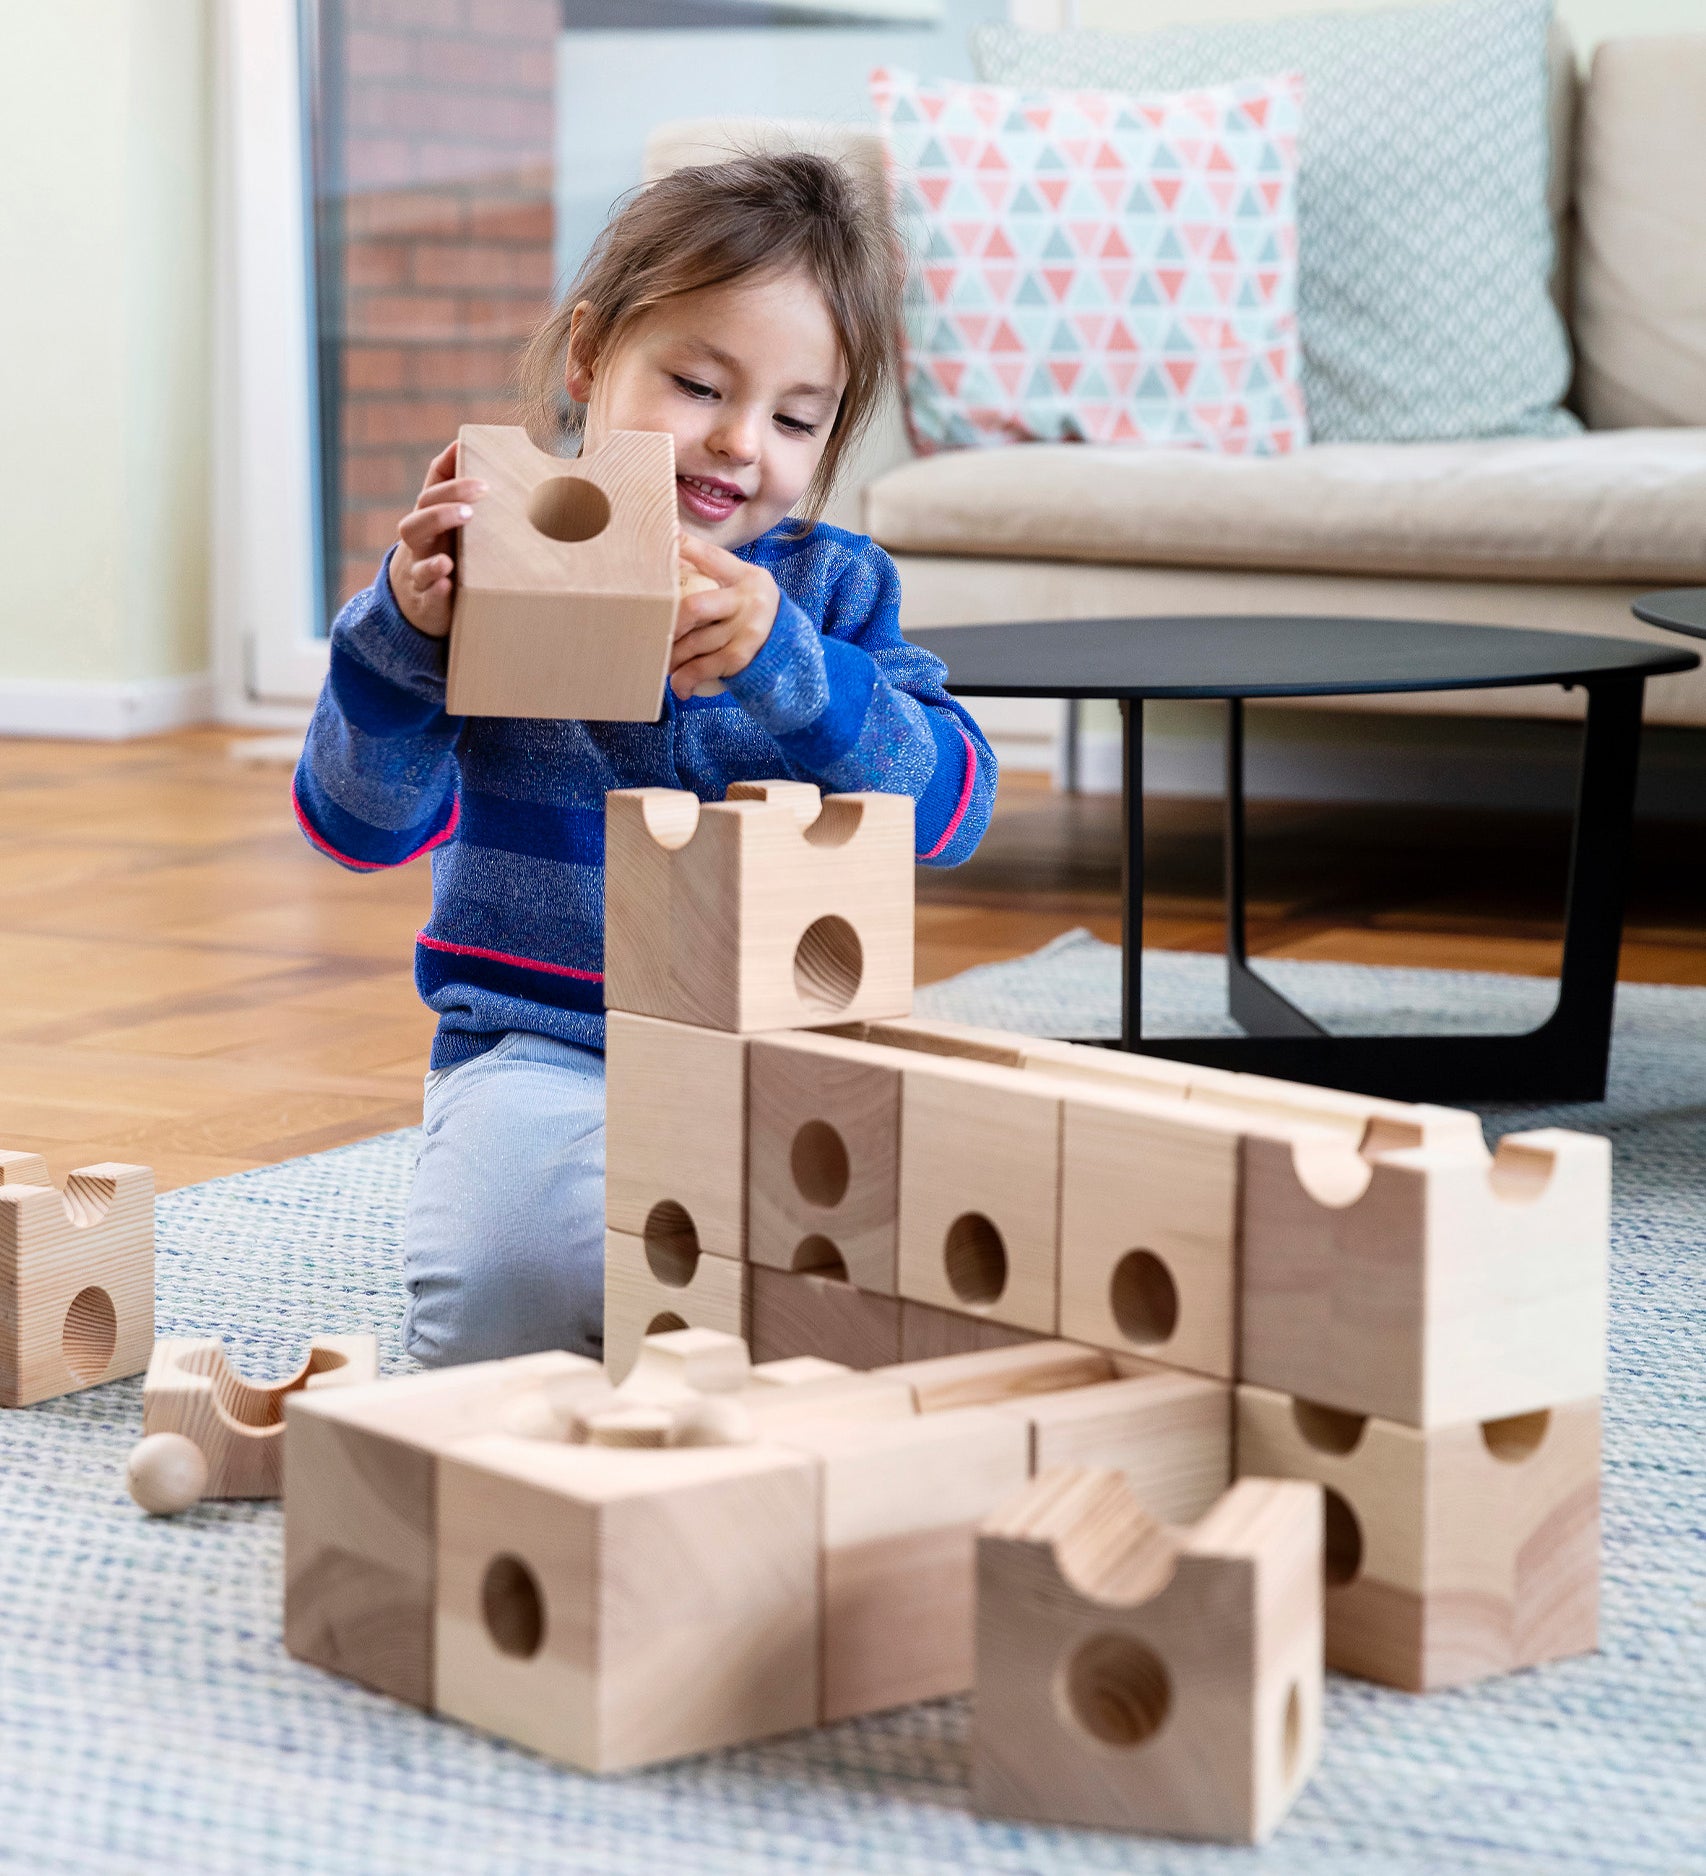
(166, 1473)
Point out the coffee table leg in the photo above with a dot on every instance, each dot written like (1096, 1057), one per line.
(1131, 936)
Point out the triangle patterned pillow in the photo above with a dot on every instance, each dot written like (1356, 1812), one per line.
(1088, 267)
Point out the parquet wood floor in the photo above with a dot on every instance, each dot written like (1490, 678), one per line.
(189, 985)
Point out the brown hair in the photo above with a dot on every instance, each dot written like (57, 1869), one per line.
(712, 223)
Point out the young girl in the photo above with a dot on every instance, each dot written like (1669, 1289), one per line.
(748, 309)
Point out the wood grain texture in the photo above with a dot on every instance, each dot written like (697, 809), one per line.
(360, 1507)
(926, 1333)
(1168, 1434)
(675, 1128)
(749, 914)
(1452, 1554)
(699, 1291)
(1135, 1676)
(191, 1388)
(613, 1609)
(801, 1313)
(76, 1279)
(900, 1501)
(975, 1379)
(547, 624)
(1431, 1285)
(823, 1156)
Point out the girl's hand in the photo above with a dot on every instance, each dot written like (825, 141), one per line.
(720, 632)
(421, 566)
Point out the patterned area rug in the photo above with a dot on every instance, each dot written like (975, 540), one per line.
(150, 1720)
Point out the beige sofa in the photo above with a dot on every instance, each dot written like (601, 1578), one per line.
(1560, 534)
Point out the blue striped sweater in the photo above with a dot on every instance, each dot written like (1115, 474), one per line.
(512, 810)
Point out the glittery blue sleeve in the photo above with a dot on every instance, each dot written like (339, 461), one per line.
(851, 704)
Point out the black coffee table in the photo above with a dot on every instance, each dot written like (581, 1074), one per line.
(1232, 659)
(1682, 609)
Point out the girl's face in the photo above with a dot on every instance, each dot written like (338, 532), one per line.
(747, 377)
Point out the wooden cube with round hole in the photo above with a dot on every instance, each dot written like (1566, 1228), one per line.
(675, 1132)
(1137, 1676)
(823, 1157)
(1432, 1285)
(979, 1191)
(613, 1607)
(664, 1281)
(76, 1277)
(1452, 1553)
(774, 909)
(566, 579)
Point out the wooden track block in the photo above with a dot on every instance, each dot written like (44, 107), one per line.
(76, 1278)
(191, 1388)
(979, 1192)
(926, 1333)
(756, 912)
(1432, 1285)
(615, 1608)
(797, 1370)
(1453, 1553)
(1135, 1676)
(675, 1133)
(647, 1291)
(809, 1314)
(874, 1394)
(901, 1501)
(360, 1506)
(1169, 1434)
(823, 1156)
(567, 579)
(1149, 1229)
(974, 1380)
(999, 1048)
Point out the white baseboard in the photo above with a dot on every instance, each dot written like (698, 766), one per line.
(103, 712)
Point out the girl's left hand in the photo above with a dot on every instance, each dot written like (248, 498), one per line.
(720, 632)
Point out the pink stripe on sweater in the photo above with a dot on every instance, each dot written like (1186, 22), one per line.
(317, 839)
(508, 957)
(959, 815)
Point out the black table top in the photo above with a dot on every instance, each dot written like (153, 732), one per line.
(1250, 656)
(1682, 609)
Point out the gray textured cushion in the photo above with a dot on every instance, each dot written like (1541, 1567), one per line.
(1424, 237)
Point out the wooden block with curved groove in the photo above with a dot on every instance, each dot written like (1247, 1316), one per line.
(654, 1285)
(1137, 1676)
(1452, 1553)
(1430, 1285)
(76, 1278)
(567, 579)
(763, 911)
(191, 1388)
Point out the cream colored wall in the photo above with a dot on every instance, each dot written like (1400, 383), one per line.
(104, 189)
(1589, 21)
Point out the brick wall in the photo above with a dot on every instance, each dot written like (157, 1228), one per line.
(444, 260)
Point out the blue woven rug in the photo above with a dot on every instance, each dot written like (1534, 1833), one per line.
(150, 1720)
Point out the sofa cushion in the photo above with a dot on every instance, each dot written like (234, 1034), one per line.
(1611, 505)
(1641, 235)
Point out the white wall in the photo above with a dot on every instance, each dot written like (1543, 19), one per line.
(104, 189)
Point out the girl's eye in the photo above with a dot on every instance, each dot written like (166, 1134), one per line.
(692, 386)
(796, 427)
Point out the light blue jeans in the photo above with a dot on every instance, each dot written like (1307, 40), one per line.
(503, 1247)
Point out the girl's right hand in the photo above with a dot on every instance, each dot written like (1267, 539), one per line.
(421, 565)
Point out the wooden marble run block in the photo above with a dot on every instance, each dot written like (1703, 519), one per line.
(926, 1333)
(1430, 1285)
(674, 1364)
(1168, 1433)
(614, 1608)
(1137, 1676)
(805, 1313)
(774, 909)
(823, 1156)
(360, 1505)
(979, 1192)
(901, 1500)
(854, 1395)
(1149, 1228)
(660, 1283)
(191, 1388)
(675, 1133)
(76, 1278)
(976, 1379)
(1451, 1554)
(567, 579)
